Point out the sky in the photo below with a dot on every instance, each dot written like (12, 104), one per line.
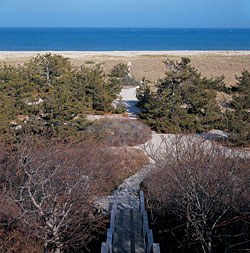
(126, 13)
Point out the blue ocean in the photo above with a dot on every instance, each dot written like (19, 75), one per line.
(122, 39)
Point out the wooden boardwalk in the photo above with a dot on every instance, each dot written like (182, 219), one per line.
(129, 232)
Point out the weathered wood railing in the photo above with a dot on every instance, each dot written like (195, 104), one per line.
(107, 247)
(149, 245)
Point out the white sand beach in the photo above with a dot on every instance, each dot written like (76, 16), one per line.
(77, 54)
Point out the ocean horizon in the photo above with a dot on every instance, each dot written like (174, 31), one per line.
(123, 39)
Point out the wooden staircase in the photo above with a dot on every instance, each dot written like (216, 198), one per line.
(128, 232)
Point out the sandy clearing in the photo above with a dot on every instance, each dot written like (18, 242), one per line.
(129, 94)
(77, 54)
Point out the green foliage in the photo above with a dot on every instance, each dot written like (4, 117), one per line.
(129, 81)
(45, 70)
(100, 94)
(7, 114)
(120, 108)
(184, 100)
(120, 73)
(242, 99)
(89, 62)
(119, 70)
(54, 95)
(237, 122)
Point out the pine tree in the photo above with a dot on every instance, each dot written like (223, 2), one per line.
(184, 100)
(242, 99)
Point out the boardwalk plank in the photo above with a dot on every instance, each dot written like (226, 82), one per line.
(139, 242)
(129, 230)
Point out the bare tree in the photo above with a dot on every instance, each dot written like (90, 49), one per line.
(53, 189)
(201, 192)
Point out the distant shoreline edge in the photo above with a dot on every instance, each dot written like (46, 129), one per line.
(74, 54)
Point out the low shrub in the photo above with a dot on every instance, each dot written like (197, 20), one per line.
(198, 196)
(89, 62)
(128, 81)
(119, 108)
(120, 132)
(119, 70)
(55, 210)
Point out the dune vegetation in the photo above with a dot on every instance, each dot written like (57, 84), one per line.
(54, 163)
(185, 101)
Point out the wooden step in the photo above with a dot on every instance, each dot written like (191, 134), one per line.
(138, 235)
(126, 234)
(128, 229)
(122, 243)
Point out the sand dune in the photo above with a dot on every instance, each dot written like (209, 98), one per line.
(149, 64)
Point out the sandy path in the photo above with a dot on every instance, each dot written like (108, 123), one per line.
(128, 97)
(128, 191)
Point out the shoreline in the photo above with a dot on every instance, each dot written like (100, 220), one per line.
(77, 54)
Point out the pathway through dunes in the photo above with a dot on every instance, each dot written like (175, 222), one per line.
(128, 98)
(128, 191)
(125, 233)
